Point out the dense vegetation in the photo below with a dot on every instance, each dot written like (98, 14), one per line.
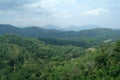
(85, 43)
(24, 58)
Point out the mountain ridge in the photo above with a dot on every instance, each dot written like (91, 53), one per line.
(35, 31)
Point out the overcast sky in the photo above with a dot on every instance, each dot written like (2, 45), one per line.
(63, 13)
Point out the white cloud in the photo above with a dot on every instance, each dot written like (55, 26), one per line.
(63, 14)
(71, 2)
(94, 12)
(46, 5)
(51, 7)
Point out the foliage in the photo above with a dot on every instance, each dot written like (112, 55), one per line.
(24, 58)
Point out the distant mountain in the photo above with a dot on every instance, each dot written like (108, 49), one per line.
(79, 28)
(51, 27)
(99, 33)
(71, 28)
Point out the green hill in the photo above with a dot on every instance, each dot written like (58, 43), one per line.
(24, 58)
(98, 33)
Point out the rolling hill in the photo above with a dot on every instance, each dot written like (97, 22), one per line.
(50, 33)
(24, 58)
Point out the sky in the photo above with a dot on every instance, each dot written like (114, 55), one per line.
(63, 13)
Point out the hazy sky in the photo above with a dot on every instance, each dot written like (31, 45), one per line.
(60, 12)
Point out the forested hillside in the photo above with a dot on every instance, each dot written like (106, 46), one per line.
(83, 38)
(24, 58)
(96, 33)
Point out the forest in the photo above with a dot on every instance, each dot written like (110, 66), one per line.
(25, 58)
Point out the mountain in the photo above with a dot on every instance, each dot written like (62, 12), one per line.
(51, 27)
(71, 28)
(6, 28)
(79, 28)
(98, 33)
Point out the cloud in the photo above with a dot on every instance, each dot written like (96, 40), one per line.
(94, 12)
(42, 6)
(13, 4)
(63, 14)
(57, 8)
(49, 4)
(39, 7)
(59, 11)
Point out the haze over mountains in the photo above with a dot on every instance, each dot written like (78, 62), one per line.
(103, 33)
(71, 28)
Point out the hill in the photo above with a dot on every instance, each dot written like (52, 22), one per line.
(79, 28)
(32, 59)
(99, 33)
